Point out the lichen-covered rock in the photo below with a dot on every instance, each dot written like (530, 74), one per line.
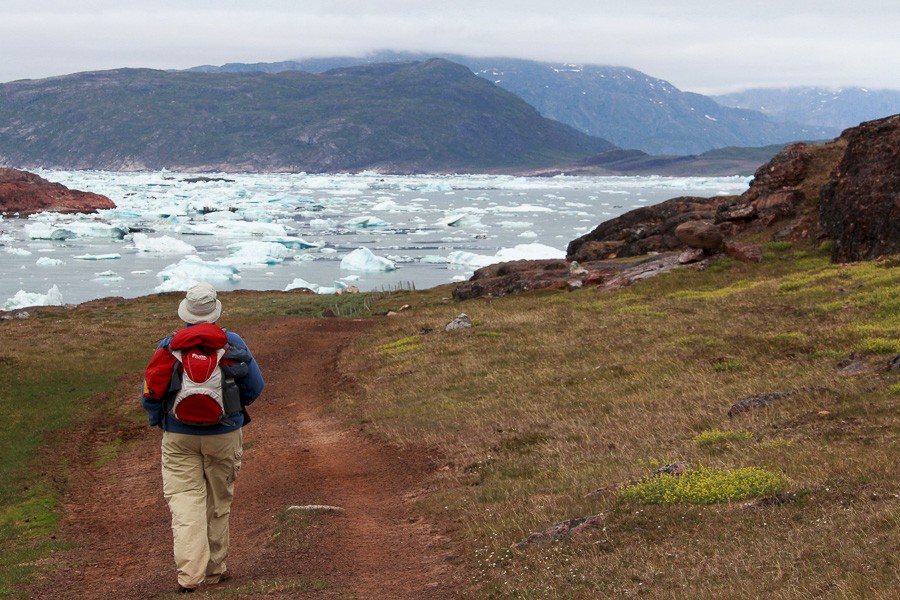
(860, 206)
(26, 193)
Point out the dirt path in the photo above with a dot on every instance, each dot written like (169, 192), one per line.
(295, 455)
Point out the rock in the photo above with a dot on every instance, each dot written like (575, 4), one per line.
(318, 508)
(787, 169)
(852, 367)
(329, 313)
(744, 252)
(691, 255)
(567, 528)
(513, 277)
(576, 269)
(763, 400)
(859, 207)
(699, 234)
(26, 193)
(894, 363)
(643, 230)
(461, 322)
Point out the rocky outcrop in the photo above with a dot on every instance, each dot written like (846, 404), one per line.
(847, 190)
(26, 193)
(860, 206)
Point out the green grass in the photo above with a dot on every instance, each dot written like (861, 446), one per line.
(585, 391)
(551, 398)
(706, 486)
(59, 367)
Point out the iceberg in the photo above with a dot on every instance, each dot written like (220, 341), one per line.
(161, 245)
(180, 276)
(234, 229)
(257, 253)
(46, 261)
(98, 256)
(299, 283)
(23, 299)
(529, 252)
(296, 243)
(368, 221)
(461, 220)
(520, 252)
(18, 251)
(96, 229)
(48, 231)
(362, 259)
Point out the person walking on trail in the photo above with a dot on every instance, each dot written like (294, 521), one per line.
(197, 388)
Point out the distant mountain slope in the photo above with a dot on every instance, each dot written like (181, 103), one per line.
(627, 107)
(402, 117)
(818, 107)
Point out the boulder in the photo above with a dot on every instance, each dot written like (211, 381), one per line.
(460, 322)
(744, 252)
(643, 230)
(699, 234)
(26, 193)
(860, 206)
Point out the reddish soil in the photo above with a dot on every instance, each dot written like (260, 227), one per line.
(296, 454)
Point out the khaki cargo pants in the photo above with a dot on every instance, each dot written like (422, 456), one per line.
(198, 483)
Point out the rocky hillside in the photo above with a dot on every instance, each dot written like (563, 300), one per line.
(843, 192)
(25, 193)
(627, 107)
(402, 117)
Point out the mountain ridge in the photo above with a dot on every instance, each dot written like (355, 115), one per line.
(627, 107)
(401, 117)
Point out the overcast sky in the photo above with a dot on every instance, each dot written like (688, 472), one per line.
(705, 46)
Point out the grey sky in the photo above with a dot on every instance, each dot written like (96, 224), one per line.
(705, 46)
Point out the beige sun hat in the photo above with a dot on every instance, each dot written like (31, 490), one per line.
(200, 305)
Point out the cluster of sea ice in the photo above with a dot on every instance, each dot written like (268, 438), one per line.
(23, 299)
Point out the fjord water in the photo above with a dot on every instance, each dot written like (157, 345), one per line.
(433, 228)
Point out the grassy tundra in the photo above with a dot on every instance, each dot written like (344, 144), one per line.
(552, 397)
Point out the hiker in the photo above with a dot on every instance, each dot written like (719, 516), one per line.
(197, 388)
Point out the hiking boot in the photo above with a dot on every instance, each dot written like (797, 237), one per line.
(214, 579)
(184, 590)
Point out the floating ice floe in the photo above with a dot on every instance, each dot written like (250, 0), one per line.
(321, 223)
(97, 229)
(108, 276)
(234, 229)
(23, 299)
(161, 245)
(362, 259)
(111, 256)
(367, 221)
(291, 242)
(48, 231)
(256, 253)
(18, 251)
(461, 220)
(180, 276)
(520, 252)
(46, 261)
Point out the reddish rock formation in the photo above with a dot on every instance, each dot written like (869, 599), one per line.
(26, 193)
(847, 189)
(702, 235)
(860, 206)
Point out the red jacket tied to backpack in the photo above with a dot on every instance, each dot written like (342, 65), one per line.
(188, 373)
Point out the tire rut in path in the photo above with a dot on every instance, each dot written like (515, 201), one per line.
(295, 455)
